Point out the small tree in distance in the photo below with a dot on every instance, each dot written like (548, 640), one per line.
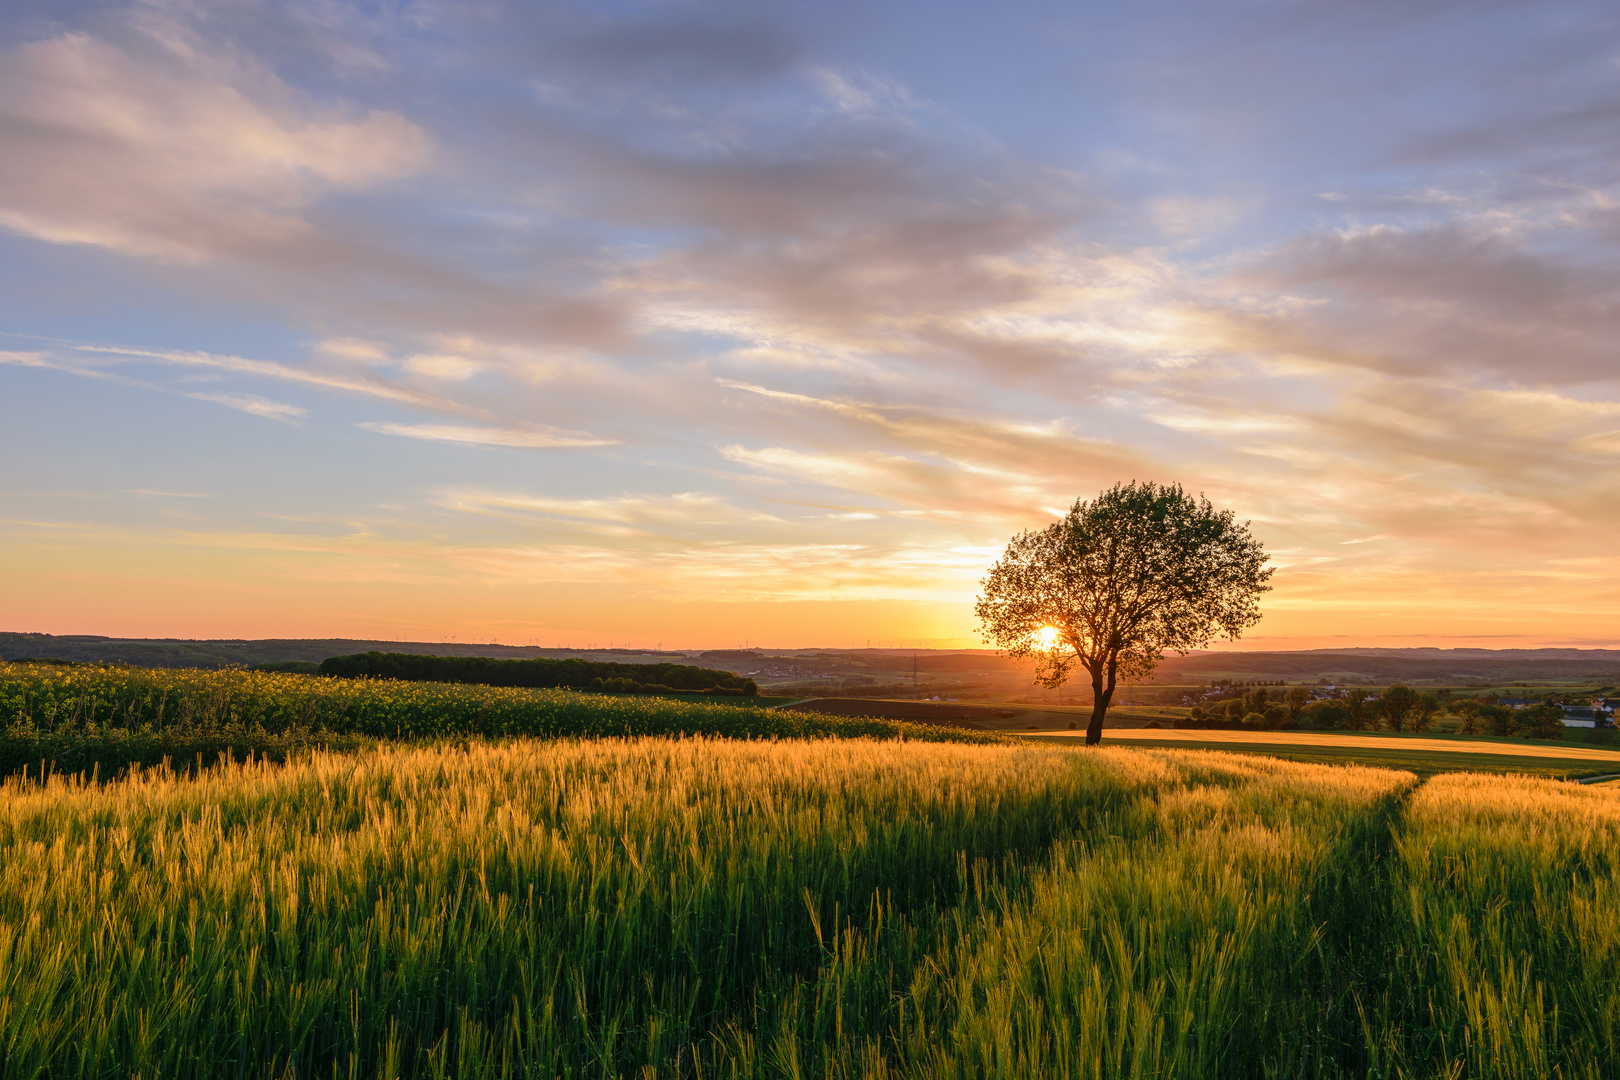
(1141, 569)
(1424, 712)
(1499, 719)
(1356, 702)
(1398, 705)
(1544, 721)
(1329, 713)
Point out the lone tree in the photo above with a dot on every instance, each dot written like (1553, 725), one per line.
(1139, 570)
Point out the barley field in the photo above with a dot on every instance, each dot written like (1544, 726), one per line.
(1505, 939)
(700, 907)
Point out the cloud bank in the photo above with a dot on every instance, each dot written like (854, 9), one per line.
(701, 300)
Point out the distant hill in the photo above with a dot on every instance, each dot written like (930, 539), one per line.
(185, 652)
(1375, 665)
(1411, 665)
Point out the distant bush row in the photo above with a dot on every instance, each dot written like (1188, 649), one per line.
(1400, 708)
(539, 674)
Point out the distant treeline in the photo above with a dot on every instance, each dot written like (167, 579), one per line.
(1494, 667)
(233, 653)
(539, 674)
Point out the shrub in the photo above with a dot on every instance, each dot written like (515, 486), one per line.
(1254, 722)
(1278, 716)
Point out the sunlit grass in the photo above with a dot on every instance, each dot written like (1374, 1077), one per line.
(1419, 753)
(1170, 737)
(743, 908)
(592, 906)
(786, 908)
(1505, 938)
(1186, 941)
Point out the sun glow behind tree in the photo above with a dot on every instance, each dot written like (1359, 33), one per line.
(1141, 569)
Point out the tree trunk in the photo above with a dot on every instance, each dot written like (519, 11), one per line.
(1101, 695)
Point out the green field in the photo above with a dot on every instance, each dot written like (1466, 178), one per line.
(105, 717)
(455, 898)
(838, 908)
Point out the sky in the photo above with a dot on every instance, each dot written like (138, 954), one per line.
(717, 324)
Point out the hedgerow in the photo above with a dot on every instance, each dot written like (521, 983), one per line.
(541, 673)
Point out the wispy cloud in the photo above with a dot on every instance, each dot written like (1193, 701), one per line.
(167, 149)
(257, 406)
(483, 436)
(368, 385)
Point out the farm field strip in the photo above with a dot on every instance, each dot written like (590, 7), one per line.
(1329, 740)
(82, 718)
(1425, 764)
(50, 698)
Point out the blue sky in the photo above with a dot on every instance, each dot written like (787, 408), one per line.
(722, 322)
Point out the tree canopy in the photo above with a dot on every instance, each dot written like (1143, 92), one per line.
(1139, 570)
(1398, 704)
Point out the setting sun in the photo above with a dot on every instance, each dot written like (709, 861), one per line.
(1046, 637)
